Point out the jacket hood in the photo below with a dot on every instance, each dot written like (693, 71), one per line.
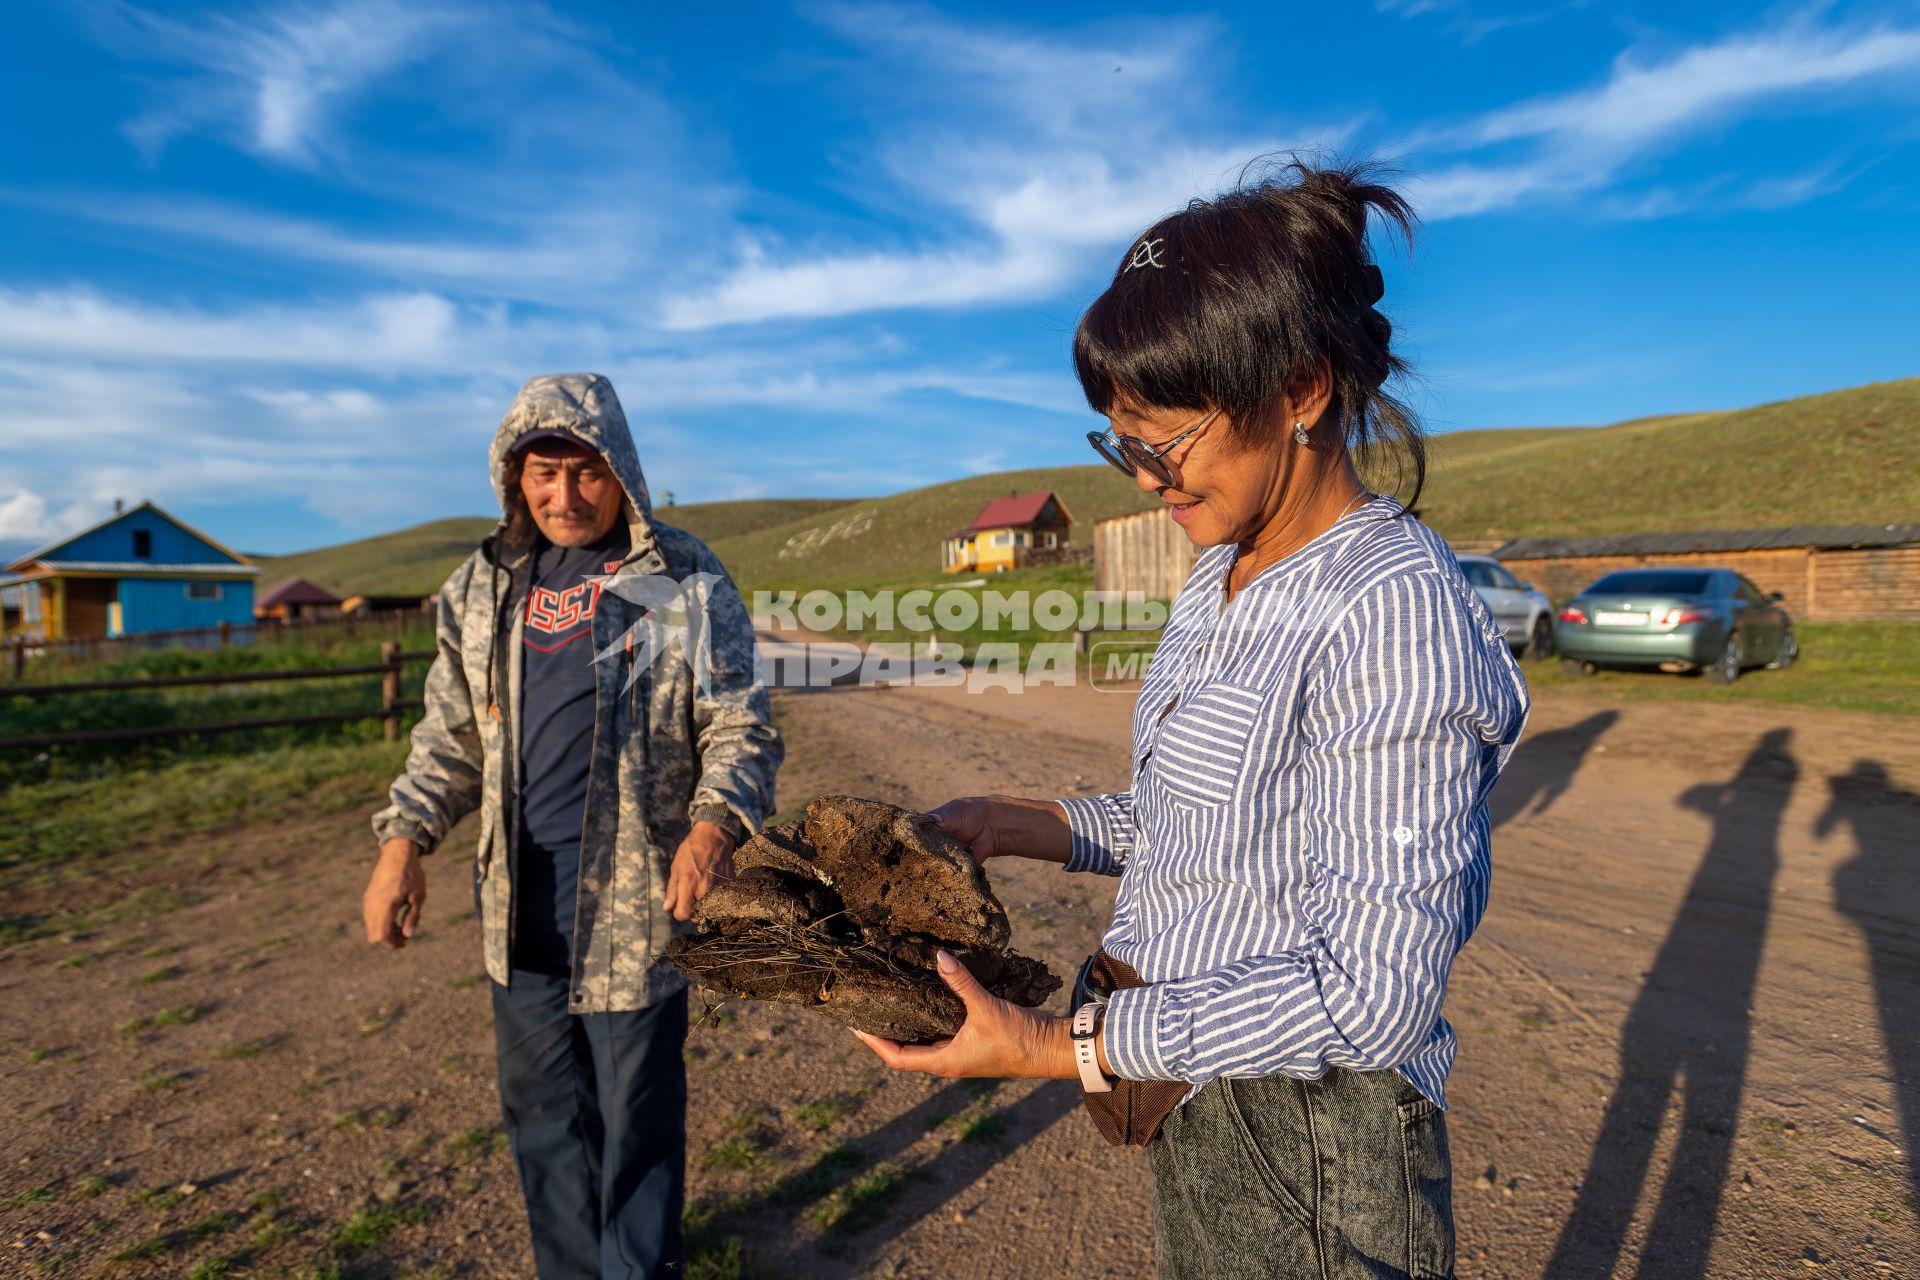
(583, 406)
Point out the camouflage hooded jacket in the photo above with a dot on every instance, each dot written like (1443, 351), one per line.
(669, 747)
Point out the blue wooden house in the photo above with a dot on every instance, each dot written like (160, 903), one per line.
(139, 570)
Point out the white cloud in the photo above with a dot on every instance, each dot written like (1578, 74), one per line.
(1071, 144)
(392, 331)
(1584, 141)
(273, 85)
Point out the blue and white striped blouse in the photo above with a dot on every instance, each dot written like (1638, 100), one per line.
(1305, 847)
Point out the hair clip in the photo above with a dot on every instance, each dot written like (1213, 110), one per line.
(1145, 254)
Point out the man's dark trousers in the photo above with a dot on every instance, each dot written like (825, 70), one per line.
(595, 1108)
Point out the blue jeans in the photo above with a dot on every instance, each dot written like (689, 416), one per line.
(595, 1107)
(1342, 1178)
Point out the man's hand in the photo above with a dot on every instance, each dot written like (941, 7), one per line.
(395, 895)
(703, 859)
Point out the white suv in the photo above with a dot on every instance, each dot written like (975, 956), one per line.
(1524, 615)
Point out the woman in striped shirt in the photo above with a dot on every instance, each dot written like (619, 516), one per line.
(1304, 848)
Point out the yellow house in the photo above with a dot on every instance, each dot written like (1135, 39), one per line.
(1006, 533)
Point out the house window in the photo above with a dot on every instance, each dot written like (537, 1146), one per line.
(203, 591)
(1003, 539)
(142, 544)
(1052, 538)
(30, 602)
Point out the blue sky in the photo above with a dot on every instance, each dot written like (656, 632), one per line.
(280, 267)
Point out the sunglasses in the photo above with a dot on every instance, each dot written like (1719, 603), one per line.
(1131, 455)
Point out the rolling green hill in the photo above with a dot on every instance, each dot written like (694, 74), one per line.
(417, 560)
(1846, 457)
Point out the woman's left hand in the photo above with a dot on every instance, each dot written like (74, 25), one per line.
(999, 1039)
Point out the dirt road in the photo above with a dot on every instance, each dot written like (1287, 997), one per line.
(1690, 1037)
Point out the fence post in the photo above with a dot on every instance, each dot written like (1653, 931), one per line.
(226, 634)
(390, 688)
(19, 658)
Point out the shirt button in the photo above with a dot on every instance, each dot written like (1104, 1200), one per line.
(1403, 835)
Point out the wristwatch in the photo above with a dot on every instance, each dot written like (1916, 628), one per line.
(1085, 1031)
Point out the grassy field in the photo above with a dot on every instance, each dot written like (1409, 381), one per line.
(417, 560)
(215, 704)
(1845, 666)
(1846, 457)
(103, 828)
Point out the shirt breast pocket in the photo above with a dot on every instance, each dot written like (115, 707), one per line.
(1201, 749)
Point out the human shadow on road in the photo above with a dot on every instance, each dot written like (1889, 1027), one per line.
(1689, 1029)
(1542, 770)
(1879, 889)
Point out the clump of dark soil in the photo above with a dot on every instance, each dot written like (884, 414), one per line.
(843, 911)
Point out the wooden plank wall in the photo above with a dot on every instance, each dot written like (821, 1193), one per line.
(1868, 583)
(1144, 552)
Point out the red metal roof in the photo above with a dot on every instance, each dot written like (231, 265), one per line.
(296, 591)
(1011, 513)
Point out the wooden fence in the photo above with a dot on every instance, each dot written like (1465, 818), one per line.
(19, 653)
(1145, 552)
(392, 705)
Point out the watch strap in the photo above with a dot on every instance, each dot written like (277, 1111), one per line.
(1086, 1056)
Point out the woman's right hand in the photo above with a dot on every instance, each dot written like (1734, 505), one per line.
(1007, 827)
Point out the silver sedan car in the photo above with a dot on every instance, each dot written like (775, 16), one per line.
(1525, 616)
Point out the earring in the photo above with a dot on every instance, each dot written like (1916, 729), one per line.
(1299, 433)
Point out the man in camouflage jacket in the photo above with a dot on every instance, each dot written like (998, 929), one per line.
(594, 696)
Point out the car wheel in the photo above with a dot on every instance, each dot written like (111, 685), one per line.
(1575, 667)
(1726, 669)
(1542, 646)
(1789, 650)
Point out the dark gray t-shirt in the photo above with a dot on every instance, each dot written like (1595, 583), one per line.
(556, 740)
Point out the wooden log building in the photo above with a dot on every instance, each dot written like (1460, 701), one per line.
(1827, 573)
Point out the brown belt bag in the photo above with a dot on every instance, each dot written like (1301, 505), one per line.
(1131, 1114)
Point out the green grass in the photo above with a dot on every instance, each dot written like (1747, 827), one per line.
(983, 1128)
(416, 560)
(240, 1050)
(151, 1247)
(863, 1201)
(201, 704)
(739, 1152)
(1844, 666)
(1844, 457)
(371, 1224)
(35, 1195)
(823, 1113)
(80, 830)
(473, 1144)
(712, 1252)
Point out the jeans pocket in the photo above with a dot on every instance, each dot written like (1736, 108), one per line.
(1429, 1176)
(1266, 1160)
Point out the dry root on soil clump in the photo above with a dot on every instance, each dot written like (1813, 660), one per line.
(844, 909)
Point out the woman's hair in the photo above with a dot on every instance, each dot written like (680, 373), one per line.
(1234, 302)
